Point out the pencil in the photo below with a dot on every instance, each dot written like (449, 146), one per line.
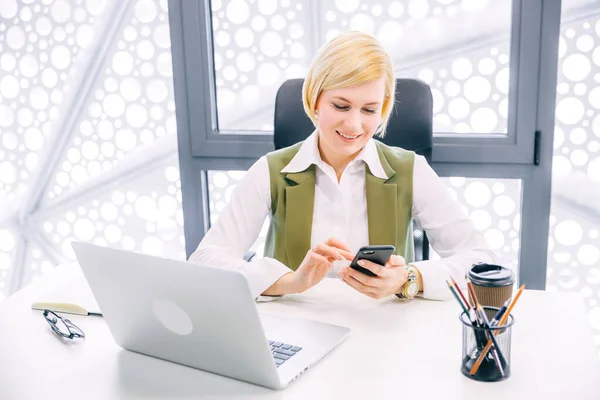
(502, 322)
(479, 338)
(512, 304)
(465, 309)
(472, 292)
(460, 292)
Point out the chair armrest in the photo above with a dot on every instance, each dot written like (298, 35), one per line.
(249, 255)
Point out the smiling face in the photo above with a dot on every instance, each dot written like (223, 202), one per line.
(347, 118)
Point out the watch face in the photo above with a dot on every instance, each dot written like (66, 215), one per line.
(412, 289)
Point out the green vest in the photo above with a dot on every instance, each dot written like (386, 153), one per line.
(389, 205)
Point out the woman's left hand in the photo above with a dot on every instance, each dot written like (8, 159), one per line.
(389, 279)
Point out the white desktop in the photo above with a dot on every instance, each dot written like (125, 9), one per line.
(396, 350)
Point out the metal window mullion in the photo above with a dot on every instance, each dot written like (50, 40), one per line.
(537, 190)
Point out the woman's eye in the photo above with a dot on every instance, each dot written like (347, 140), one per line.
(346, 108)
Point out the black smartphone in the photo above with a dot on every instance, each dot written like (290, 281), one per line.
(377, 254)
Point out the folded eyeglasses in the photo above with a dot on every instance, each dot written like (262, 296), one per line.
(62, 326)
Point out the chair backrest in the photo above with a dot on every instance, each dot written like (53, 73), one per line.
(410, 127)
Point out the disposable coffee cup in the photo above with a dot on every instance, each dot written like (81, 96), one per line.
(493, 284)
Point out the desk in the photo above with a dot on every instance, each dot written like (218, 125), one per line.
(396, 350)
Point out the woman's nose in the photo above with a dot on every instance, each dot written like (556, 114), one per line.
(353, 122)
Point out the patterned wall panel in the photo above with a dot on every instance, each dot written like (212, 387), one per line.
(143, 214)
(42, 44)
(46, 49)
(8, 242)
(132, 103)
(574, 243)
(37, 264)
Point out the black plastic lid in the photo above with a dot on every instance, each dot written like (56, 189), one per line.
(491, 275)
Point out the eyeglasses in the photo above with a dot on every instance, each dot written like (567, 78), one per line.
(62, 326)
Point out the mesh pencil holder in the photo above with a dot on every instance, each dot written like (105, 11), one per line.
(494, 365)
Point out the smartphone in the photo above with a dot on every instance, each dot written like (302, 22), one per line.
(377, 254)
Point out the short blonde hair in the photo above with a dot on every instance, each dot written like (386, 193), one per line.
(349, 59)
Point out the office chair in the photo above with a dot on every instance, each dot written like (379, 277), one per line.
(410, 127)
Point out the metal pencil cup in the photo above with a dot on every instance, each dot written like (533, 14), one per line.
(495, 364)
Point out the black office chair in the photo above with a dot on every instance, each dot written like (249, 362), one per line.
(409, 127)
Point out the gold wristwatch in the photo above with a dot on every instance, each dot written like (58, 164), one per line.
(411, 287)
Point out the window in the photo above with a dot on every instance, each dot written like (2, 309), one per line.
(462, 52)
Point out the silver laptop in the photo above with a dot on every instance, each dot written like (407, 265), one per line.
(201, 317)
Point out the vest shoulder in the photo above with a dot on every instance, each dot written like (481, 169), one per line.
(282, 157)
(397, 153)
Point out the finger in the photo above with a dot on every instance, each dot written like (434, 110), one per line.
(396, 260)
(352, 282)
(317, 258)
(328, 251)
(362, 278)
(347, 255)
(337, 243)
(371, 266)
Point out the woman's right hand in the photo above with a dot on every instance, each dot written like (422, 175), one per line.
(313, 268)
(317, 263)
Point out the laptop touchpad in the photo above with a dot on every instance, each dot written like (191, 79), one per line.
(274, 325)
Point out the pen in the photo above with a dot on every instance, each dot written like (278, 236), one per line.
(502, 322)
(500, 313)
(496, 352)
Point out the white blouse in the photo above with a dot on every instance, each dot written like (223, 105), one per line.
(340, 211)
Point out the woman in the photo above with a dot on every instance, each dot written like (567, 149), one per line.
(331, 194)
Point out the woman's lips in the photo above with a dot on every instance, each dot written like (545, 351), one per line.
(348, 136)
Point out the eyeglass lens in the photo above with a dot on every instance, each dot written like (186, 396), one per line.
(61, 326)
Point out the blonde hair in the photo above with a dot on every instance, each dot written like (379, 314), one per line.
(349, 59)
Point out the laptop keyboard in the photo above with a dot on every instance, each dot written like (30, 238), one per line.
(282, 351)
